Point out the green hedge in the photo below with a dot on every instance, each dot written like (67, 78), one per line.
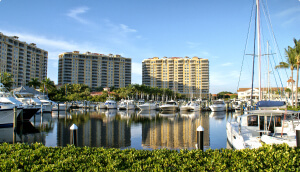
(37, 157)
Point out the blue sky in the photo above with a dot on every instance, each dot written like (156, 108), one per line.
(140, 29)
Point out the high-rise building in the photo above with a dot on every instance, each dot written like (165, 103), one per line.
(94, 70)
(183, 75)
(24, 61)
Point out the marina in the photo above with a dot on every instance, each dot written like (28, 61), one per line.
(123, 129)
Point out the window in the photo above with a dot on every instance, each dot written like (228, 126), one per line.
(253, 120)
(277, 121)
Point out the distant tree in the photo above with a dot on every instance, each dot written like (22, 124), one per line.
(223, 94)
(7, 80)
(34, 82)
(233, 96)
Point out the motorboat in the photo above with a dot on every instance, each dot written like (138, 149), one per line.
(218, 105)
(263, 126)
(61, 106)
(126, 105)
(111, 104)
(169, 106)
(190, 106)
(100, 105)
(148, 106)
(236, 105)
(7, 98)
(46, 103)
(7, 114)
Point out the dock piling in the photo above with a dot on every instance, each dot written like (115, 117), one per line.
(298, 136)
(73, 135)
(200, 138)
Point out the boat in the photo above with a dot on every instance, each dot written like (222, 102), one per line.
(190, 106)
(7, 114)
(46, 103)
(169, 106)
(111, 104)
(61, 106)
(126, 105)
(148, 106)
(7, 98)
(147, 114)
(255, 127)
(236, 105)
(263, 126)
(218, 105)
(29, 96)
(100, 105)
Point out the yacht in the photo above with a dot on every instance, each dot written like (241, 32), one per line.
(218, 105)
(7, 114)
(170, 106)
(111, 104)
(148, 106)
(46, 103)
(263, 126)
(236, 105)
(61, 106)
(8, 98)
(126, 105)
(190, 106)
(100, 105)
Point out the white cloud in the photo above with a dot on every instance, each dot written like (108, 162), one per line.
(289, 12)
(74, 13)
(126, 28)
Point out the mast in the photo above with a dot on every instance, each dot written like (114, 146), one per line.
(268, 69)
(259, 47)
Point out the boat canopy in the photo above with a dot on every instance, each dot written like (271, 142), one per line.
(270, 103)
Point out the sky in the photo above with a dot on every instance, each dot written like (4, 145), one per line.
(217, 30)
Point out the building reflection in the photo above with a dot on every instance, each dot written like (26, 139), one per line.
(175, 132)
(101, 129)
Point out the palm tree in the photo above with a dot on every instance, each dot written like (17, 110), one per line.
(291, 63)
(297, 56)
(34, 82)
(7, 80)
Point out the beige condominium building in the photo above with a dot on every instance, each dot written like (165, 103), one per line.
(188, 76)
(24, 61)
(94, 70)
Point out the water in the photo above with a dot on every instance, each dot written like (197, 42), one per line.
(123, 129)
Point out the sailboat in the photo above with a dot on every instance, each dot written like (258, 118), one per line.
(258, 126)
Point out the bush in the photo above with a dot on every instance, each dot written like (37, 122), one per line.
(37, 157)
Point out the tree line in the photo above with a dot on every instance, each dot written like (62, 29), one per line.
(78, 92)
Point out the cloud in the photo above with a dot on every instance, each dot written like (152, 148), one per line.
(226, 64)
(74, 13)
(125, 28)
(192, 45)
(289, 12)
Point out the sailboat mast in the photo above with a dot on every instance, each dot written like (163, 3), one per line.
(259, 47)
(268, 69)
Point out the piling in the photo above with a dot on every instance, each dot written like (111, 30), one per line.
(298, 136)
(73, 135)
(226, 107)
(15, 117)
(200, 138)
(58, 110)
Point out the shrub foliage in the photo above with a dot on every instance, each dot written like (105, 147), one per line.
(37, 157)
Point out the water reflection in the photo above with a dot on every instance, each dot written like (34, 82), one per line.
(123, 129)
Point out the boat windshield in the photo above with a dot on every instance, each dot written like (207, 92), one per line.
(218, 102)
(171, 103)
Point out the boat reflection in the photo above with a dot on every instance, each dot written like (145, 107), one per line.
(147, 114)
(218, 115)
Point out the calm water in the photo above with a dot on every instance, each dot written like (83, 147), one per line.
(123, 129)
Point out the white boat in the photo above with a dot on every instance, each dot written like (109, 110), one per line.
(100, 105)
(47, 104)
(126, 105)
(61, 106)
(7, 114)
(218, 105)
(148, 106)
(170, 106)
(268, 126)
(236, 105)
(7, 98)
(190, 106)
(111, 104)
